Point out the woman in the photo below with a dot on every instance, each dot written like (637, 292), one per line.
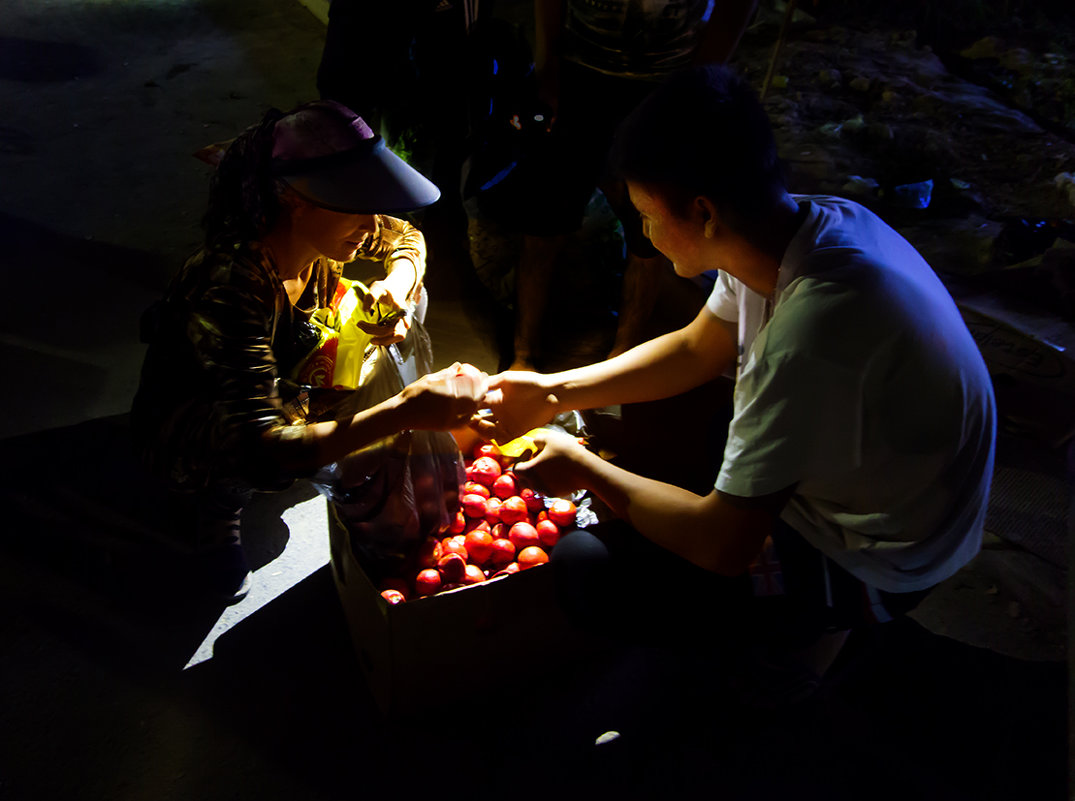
(294, 197)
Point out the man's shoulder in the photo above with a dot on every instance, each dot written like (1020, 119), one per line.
(840, 234)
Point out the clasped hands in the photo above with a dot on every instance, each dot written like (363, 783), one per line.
(501, 408)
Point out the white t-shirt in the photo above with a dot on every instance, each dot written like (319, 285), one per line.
(860, 385)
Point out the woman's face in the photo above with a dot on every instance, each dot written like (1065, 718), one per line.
(333, 234)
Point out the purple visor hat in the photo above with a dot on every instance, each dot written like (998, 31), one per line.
(328, 154)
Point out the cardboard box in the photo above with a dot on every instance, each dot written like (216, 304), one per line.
(503, 627)
(1031, 355)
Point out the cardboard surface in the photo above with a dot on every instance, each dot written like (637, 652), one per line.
(411, 653)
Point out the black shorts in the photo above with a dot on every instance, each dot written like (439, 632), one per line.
(821, 597)
(558, 178)
(612, 579)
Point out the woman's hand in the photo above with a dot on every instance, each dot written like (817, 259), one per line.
(389, 334)
(559, 467)
(392, 295)
(519, 401)
(391, 292)
(444, 400)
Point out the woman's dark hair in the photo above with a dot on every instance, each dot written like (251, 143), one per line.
(703, 132)
(244, 198)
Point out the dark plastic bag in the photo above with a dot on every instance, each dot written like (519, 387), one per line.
(395, 492)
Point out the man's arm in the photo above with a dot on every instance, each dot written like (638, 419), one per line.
(663, 367)
(717, 532)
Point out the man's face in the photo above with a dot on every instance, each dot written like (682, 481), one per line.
(680, 238)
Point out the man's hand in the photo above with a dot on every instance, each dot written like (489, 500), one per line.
(444, 400)
(559, 467)
(519, 401)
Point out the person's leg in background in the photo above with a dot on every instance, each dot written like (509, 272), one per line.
(559, 176)
(533, 279)
(366, 44)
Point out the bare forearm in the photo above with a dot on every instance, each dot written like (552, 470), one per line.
(302, 449)
(334, 439)
(660, 368)
(699, 529)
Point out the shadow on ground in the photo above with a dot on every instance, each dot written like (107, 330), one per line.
(98, 630)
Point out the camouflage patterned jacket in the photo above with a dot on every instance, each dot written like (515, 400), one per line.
(218, 341)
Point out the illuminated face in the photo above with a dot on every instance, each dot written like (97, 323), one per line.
(680, 239)
(334, 234)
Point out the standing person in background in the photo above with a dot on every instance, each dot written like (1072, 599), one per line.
(293, 198)
(400, 65)
(595, 62)
(862, 439)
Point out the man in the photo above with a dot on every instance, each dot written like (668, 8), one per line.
(864, 423)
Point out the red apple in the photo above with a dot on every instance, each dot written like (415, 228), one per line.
(427, 582)
(490, 449)
(503, 551)
(474, 505)
(548, 533)
(505, 485)
(459, 522)
(456, 545)
(513, 510)
(393, 596)
(531, 556)
(485, 470)
(473, 575)
(507, 570)
(492, 510)
(562, 512)
(534, 502)
(479, 545)
(476, 525)
(452, 568)
(523, 535)
(474, 488)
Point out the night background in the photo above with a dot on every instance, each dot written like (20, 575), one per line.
(954, 121)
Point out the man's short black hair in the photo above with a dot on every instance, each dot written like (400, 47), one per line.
(703, 132)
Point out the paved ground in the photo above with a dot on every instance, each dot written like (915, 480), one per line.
(104, 103)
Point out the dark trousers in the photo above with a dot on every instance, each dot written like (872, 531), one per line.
(612, 580)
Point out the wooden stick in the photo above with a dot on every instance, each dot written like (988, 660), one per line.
(789, 12)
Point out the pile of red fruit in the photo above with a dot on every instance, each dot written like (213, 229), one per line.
(500, 528)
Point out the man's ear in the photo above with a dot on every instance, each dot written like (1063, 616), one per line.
(707, 214)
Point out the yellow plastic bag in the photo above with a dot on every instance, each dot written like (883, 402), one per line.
(340, 359)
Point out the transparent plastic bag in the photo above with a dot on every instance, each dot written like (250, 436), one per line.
(395, 492)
